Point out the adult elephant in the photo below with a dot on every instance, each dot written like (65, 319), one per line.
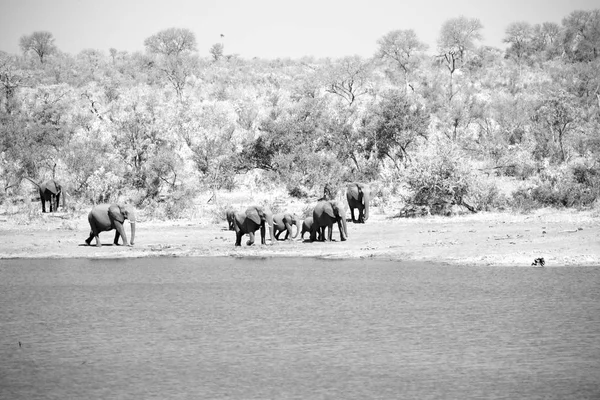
(50, 191)
(327, 212)
(358, 196)
(248, 222)
(106, 217)
(283, 222)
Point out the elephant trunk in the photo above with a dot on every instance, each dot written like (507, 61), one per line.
(343, 229)
(298, 224)
(132, 232)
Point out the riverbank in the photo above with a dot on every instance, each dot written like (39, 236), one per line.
(486, 239)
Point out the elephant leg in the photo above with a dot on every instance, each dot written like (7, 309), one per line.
(277, 233)
(263, 234)
(352, 214)
(94, 233)
(88, 241)
(288, 232)
(322, 233)
(250, 241)
(238, 238)
(330, 233)
(117, 236)
(43, 204)
(120, 232)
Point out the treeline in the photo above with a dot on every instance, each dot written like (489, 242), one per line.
(441, 123)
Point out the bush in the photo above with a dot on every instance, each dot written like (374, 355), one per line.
(438, 176)
(485, 195)
(573, 185)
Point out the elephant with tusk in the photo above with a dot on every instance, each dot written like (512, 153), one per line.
(283, 222)
(106, 217)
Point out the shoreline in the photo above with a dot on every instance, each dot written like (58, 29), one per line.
(562, 238)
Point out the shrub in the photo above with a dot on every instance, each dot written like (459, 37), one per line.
(573, 185)
(438, 175)
(485, 195)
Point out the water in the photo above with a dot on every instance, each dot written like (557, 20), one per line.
(220, 328)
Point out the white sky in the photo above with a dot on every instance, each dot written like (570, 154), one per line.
(264, 28)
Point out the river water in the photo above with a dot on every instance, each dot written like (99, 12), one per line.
(216, 328)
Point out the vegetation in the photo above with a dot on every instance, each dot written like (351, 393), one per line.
(161, 126)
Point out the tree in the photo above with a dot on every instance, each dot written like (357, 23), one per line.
(457, 37)
(348, 78)
(173, 47)
(545, 39)
(171, 42)
(556, 115)
(582, 35)
(41, 42)
(11, 78)
(216, 51)
(396, 125)
(401, 47)
(518, 36)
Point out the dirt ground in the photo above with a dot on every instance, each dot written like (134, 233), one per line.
(486, 239)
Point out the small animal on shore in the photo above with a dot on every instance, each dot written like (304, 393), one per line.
(538, 262)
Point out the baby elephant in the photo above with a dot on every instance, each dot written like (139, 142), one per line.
(306, 226)
(106, 217)
(283, 222)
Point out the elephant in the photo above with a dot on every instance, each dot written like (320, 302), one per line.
(359, 196)
(106, 217)
(283, 222)
(50, 191)
(230, 216)
(248, 222)
(325, 214)
(307, 225)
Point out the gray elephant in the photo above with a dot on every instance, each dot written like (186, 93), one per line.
(51, 192)
(307, 226)
(283, 222)
(324, 215)
(248, 222)
(358, 196)
(106, 217)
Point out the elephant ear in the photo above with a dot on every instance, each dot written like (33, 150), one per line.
(253, 215)
(129, 213)
(329, 210)
(51, 187)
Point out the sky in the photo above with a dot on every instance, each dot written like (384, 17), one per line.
(264, 28)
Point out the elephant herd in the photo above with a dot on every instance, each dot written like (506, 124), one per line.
(325, 214)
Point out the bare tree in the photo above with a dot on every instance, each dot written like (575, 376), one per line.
(173, 47)
(519, 36)
(457, 37)
(401, 47)
(41, 42)
(348, 78)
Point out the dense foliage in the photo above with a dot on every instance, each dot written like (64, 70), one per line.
(169, 122)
